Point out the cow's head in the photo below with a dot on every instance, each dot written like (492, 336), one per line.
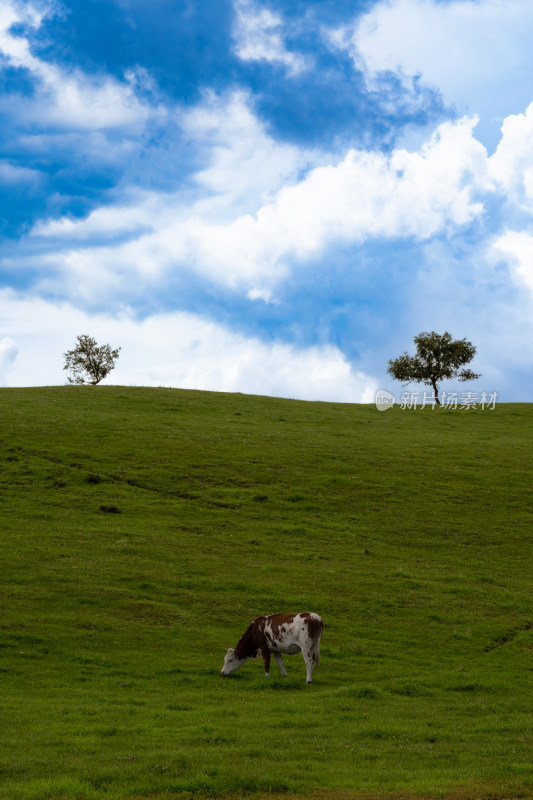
(231, 662)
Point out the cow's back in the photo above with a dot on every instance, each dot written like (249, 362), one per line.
(291, 632)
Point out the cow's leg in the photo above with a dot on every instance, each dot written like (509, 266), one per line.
(266, 659)
(309, 664)
(281, 665)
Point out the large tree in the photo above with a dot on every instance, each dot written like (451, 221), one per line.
(438, 357)
(89, 362)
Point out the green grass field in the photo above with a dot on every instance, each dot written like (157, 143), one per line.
(143, 529)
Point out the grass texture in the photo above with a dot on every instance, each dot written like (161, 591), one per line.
(142, 530)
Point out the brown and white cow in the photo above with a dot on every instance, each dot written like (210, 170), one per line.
(277, 634)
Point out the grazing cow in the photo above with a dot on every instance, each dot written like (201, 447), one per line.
(277, 634)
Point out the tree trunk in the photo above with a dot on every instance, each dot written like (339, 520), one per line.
(436, 392)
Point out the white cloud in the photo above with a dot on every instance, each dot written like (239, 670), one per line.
(13, 12)
(244, 164)
(138, 212)
(367, 194)
(517, 249)
(15, 175)
(243, 167)
(258, 34)
(476, 52)
(511, 166)
(260, 294)
(178, 349)
(8, 354)
(72, 99)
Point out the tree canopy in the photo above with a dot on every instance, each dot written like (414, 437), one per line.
(438, 357)
(88, 362)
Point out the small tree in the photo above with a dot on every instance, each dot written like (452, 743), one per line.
(88, 362)
(438, 357)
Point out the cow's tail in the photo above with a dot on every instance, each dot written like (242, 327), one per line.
(317, 627)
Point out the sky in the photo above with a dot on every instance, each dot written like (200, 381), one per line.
(266, 197)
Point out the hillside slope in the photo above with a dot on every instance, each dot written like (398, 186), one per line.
(142, 530)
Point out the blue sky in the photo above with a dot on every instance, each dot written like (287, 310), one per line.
(266, 197)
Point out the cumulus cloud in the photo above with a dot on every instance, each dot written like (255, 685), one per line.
(177, 349)
(516, 247)
(511, 166)
(241, 167)
(365, 195)
(243, 164)
(452, 46)
(511, 169)
(258, 34)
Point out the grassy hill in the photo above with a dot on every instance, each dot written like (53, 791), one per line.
(143, 529)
